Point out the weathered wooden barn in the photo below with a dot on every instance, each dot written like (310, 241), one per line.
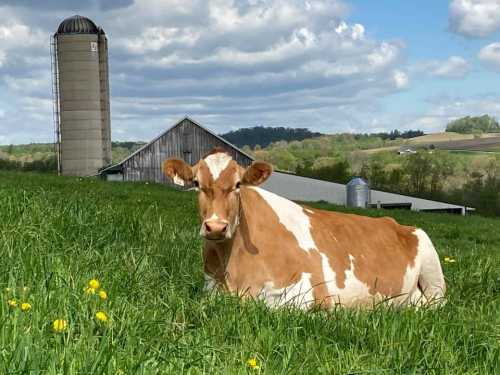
(187, 140)
(190, 141)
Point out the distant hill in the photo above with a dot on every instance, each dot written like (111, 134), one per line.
(264, 136)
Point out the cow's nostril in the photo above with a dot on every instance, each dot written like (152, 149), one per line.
(223, 229)
(208, 229)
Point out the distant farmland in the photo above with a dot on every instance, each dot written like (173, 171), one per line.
(480, 144)
(450, 141)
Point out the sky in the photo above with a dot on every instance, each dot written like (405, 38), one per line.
(327, 65)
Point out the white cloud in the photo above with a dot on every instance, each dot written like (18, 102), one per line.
(490, 56)
(474, 18)
(225, 62)
(455, 67)
(400, 79)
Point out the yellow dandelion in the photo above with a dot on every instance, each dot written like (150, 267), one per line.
(101, 316)
(59, 325)
(252, 363)
(12, 303)
(25, 306)
(94, 283)
(103, 295)
(449, 260)
(89, 290)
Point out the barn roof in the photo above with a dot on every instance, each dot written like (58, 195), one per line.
(117, 165)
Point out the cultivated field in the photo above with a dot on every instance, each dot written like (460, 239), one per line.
(141, 242)
(488, 142)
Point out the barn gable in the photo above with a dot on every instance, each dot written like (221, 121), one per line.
(187, 140)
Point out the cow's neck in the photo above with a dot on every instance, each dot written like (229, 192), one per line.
(228, 261)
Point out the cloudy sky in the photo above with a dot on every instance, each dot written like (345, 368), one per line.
(329, 65)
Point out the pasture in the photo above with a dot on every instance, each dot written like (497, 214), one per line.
(141, 242)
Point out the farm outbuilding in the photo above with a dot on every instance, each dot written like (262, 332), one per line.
(191, 141)
(187, 140)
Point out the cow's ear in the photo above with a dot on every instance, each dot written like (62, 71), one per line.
(257, 173)
(178, 170)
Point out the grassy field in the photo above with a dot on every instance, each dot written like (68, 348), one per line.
(140, 241)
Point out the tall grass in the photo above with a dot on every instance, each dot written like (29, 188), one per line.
(140, 241)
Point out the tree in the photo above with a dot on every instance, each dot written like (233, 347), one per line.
(417, 166)
(469, 125)
(442, 167)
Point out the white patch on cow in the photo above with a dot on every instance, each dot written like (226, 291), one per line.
(298, 295)
(213, 217)
(291, 216)
(217, 163)
(431, 279)
(354, 292)
(410, 280)
(178, 180)
(210, 284)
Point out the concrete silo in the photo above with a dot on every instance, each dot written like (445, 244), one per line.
(81, 97)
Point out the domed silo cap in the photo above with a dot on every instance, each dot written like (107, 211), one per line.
(77, 25)
(357, 181)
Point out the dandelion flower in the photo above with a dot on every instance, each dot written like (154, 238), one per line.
(59, 325)
(25, 306)
(12, 303)
(89, 290)
(101, 316)
(449, 260)
(103, 295)
(94, 283)
(252, 363)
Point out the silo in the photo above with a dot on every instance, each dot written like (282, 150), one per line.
(358, 193)
(81, 97)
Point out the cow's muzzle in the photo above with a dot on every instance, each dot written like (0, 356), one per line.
(215, 230)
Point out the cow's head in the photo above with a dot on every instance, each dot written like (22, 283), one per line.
(218, 179)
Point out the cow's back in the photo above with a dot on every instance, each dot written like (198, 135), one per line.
(377, 256)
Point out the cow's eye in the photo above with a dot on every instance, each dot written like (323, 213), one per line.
(196, 183)
(238, 185)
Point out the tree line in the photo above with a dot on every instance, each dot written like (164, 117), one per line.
(46, 164)
(425, 175)
(471, 125)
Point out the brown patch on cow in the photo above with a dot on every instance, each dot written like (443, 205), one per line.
(381, 248)
(229, 177)
(245, 233)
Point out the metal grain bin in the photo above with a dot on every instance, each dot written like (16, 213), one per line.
(358, 193)
(81, 97)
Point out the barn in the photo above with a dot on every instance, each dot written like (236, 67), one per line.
(190, 141)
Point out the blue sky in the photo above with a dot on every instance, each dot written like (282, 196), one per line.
(328, 65)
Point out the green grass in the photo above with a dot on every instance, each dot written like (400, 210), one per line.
(141, 242)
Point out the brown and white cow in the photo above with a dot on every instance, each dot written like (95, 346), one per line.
(259, 244)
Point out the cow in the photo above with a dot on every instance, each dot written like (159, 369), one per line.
(258, 244)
